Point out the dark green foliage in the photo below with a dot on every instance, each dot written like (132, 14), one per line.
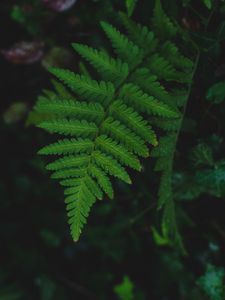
(124, 290)
(216, 93)
(213, 282)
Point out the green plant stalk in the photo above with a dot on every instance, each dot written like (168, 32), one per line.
(165, 206)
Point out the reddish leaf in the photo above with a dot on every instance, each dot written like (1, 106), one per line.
(24, 52)
(59, 5)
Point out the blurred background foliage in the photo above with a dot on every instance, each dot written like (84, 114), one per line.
(121, 254)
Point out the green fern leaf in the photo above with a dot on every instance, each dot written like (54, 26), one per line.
(85, 87)
(163, 69)
(78, 206)
(61, 90)
(130, 6)
(125, 49)
(69, 108)
(49, 94)
(109, 68)
(94, 187)
(140, 35)
(72, 182)
(113, 119)
(68, 173)
(144, 103)
(111, 166)
(163, 26)
(134, 121)
(102, 180)
(70, 127)
(118, 151)
(167, 124)
(150, 84)
(69, 161)
(123, 135)
(170, 52)
(67, 146)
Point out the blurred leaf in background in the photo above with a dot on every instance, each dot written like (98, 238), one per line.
(208, 3)
(130, 6)
(59, 5)
(124, 290)
(216, 93)
(202, 155)
(24, 52)
(213, 282)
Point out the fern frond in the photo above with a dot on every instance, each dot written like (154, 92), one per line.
(71, 190)
(69, 108)
(130, 4)
(49, 94)
(69, 161)
(125, 49)
(142, 102)
(134, 121)
(72, 182)
(123, 135)
(163, 26)
(167, 124)
(102, 180)
(68, 173)
(170, 52)
(70, 127)
(140, 35)
(162, 164)
(78, 206)
(111, 166)
(85, 87)
(61, 90)
(110, 69)
(165, 70)
(169, 226)
(165, 147)
(94, 187)
(118, 151)
(150, 84)
(113, 119)
(165, 192)
(67, 146)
